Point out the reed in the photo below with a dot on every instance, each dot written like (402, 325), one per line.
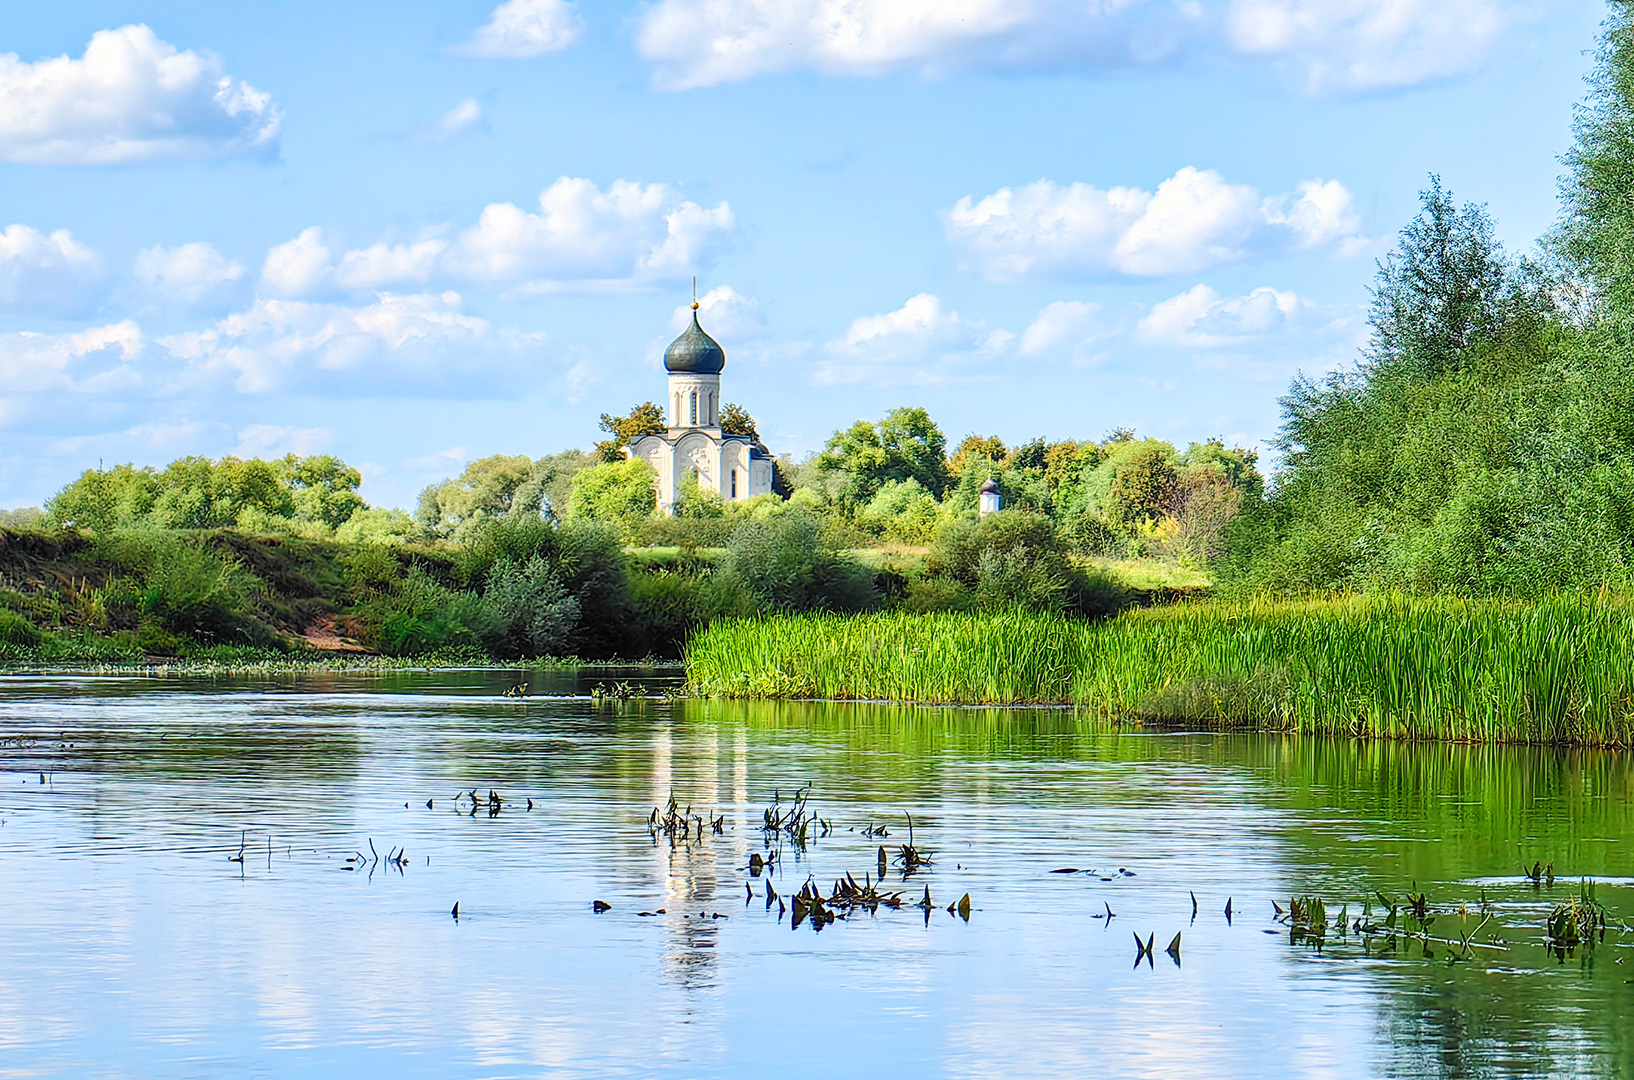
(1556, 671)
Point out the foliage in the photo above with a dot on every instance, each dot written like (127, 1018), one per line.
(534, 609)
(1552, 672)
(645, 419)
(622, 494)
(735, 420)
(501, 487)
(783, 563)
(292, 494)
(905, 445)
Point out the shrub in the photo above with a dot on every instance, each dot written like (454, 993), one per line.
(534, 609)
(785, 564)
(425, 616)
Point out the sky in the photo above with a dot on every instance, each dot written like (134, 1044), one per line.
(415, 234)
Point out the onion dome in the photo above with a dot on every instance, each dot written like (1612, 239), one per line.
(989, 488)
(694, 352)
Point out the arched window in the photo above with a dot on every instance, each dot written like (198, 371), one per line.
(677, 413)
(694, 420)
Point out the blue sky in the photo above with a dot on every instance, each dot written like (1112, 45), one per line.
(415, 234)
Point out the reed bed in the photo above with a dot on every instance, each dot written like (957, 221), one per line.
(1556, 671)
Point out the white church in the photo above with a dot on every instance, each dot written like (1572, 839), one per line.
(739, 467)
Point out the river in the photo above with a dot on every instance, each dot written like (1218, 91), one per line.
(257, 877)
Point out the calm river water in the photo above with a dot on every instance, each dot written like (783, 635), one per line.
(132, 945)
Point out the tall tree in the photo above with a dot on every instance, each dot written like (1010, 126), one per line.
(645, 419)
(1595, 237)
(1442, 290)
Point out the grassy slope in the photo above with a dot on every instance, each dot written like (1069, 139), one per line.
(1552, 672)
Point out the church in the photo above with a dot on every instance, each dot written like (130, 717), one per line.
(739, 467)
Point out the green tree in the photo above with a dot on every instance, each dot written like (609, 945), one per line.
(645, 419)
(622, 494)
(1446, 287)
(735, 420)
(905, 445)
(1595, 237)
(1143, 486)
(324, 488)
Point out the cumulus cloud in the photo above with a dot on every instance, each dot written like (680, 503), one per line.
(1368, 44)
(581, 237)
(130, 98)
(1193, 221)
(727, 314)
(385, 348)
(1336, 44)
(1064, 326)
(193, 273)
(1200, 317)
(630, 233)
(522, 29)
(917, 343)
(299, 267)
(464, 117)
(96, 359)
(46, 272)
(389, 264)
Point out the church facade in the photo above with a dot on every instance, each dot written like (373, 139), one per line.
(738, 467)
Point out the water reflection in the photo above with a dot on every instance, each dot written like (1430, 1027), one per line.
(135, 946)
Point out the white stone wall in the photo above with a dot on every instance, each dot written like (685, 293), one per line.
(694, 401)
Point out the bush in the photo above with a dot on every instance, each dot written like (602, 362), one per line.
(1016, 557)
(784, 563)
(190, 587)
(16, 630)
(425, 616)
(534, 609)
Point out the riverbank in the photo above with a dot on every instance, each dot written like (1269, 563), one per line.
(1555, 672)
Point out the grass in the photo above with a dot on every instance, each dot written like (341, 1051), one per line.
(1555, 671)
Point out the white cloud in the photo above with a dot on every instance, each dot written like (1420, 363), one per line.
(97, 359)
(918, 343)
(1194, 220)
(628, 234)
(1341, 45)
(522, 29)
(388, 264)
(1066, 325)
(1367, 44)
(46, 272)
(1200, 318)
(273, 440)
(141, 440)
(386, 348)
(299, 267)
(130, 98)
(193, 273)
(725, 313)
(464, 117)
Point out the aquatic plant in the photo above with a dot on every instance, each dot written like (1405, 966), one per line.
(1548, 672)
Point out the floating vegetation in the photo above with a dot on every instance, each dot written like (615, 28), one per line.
(1540, 874)
(909, 857)
(603, 694)
(1580, 920)
(680, 826)
(797, 823)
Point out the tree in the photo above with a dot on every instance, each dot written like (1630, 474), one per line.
(735, 420)
(621, 493)
(1595, 237)
(991, 447)
(906, 445)
(1143, 487)
(324, 488)
(1441, 291)
(645, 419)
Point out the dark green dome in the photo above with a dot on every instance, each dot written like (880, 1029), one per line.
(694, 352)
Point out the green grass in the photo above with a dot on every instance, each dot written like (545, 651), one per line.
(1552, 672)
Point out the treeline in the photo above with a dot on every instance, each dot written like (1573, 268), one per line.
(514, 588)
(1484, 442)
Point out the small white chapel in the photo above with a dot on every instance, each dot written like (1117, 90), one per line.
(739, 467)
